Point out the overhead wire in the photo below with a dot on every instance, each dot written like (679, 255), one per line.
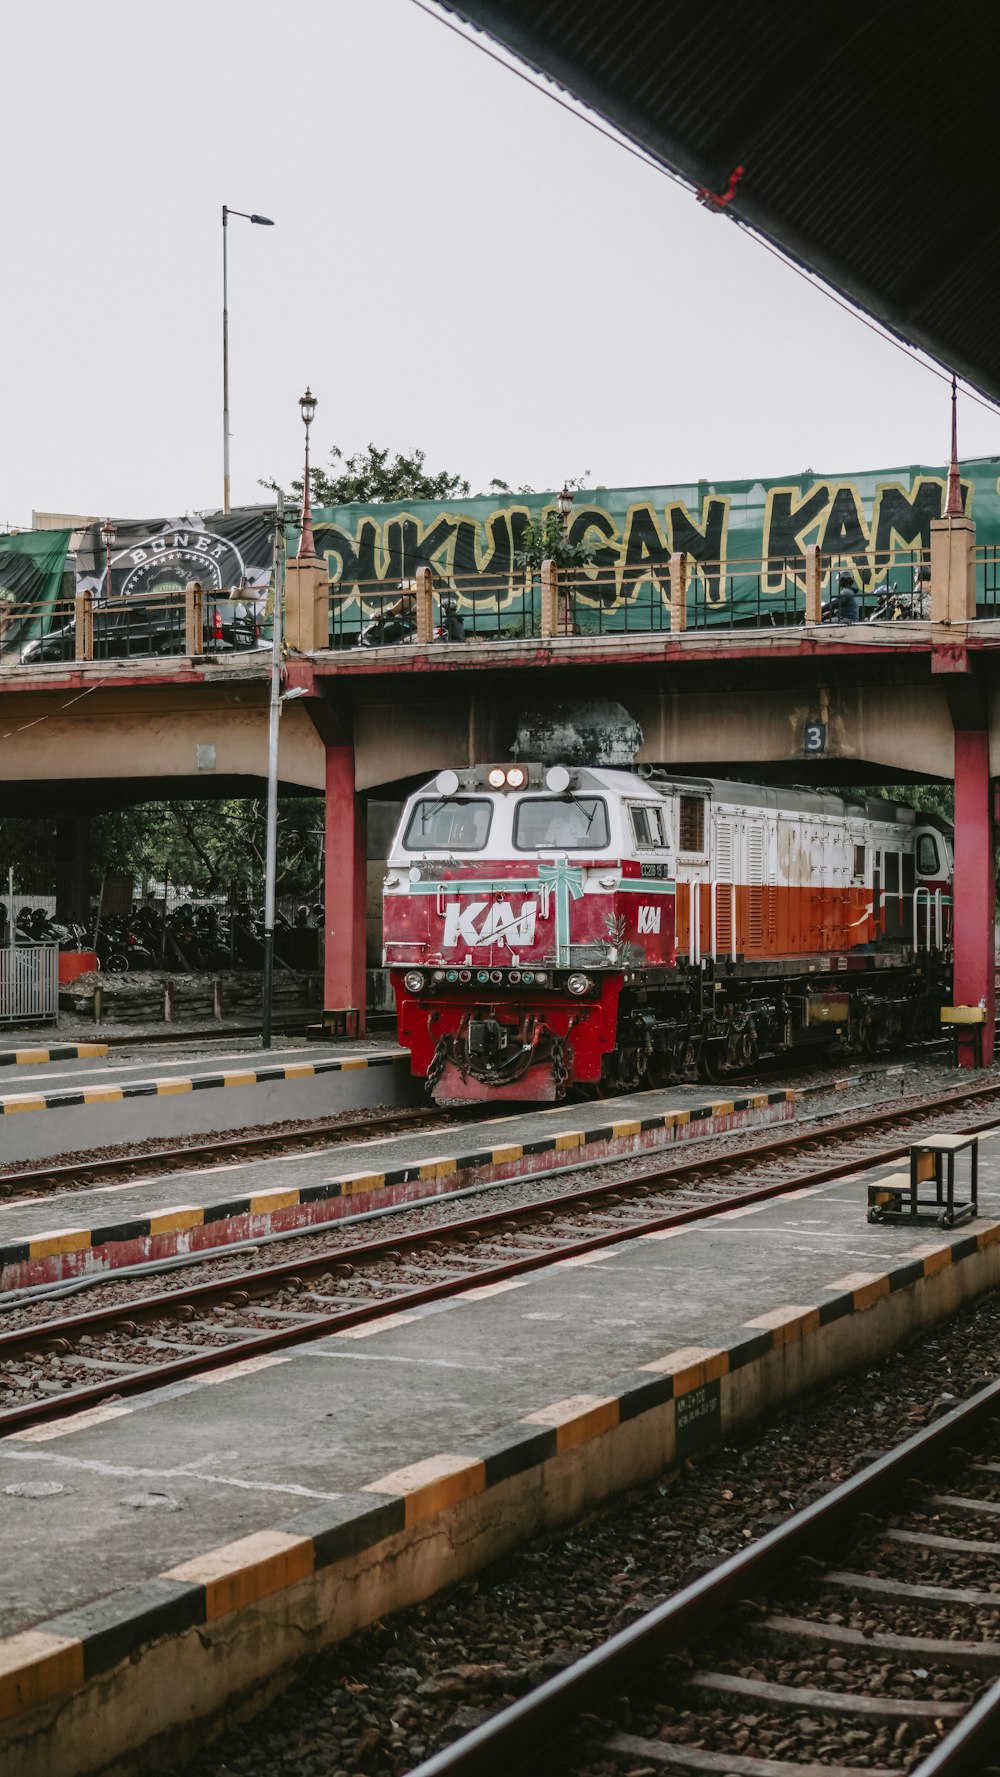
(541, 85)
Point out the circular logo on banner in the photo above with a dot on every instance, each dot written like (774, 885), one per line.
(170, 560)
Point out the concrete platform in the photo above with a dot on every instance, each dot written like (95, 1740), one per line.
(45, 1239)
(168, 1556)
(102, 1102)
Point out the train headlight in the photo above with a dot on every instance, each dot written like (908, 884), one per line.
(446, 783)
(497, 778)
(517, 777)
(557, 779)
(413, 981)
(578, 983)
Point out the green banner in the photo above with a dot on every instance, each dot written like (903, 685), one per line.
(32, 565)
(745, 541)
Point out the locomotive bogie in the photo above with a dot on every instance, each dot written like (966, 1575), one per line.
(602, 929)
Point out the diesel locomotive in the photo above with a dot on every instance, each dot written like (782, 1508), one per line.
(550, 928)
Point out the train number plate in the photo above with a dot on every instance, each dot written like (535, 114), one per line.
(699, 1418)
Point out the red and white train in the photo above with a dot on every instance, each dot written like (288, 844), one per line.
(554, 927)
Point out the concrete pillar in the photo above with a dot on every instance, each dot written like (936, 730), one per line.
(194, 618)
(974, 887)
(307, 602)
(423, 587)
(344, 889)
(678, 591)
(73, 868)
(953, 570)
(84, 627)
(549, 616)
(814, 584)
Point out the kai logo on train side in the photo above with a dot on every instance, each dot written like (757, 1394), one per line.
(649, 919)
(465, 924)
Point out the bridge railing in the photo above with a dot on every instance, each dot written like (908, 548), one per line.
(172, 622)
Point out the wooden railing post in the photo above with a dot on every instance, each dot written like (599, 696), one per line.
(194, 618)
(424, 595)
(678, 591)
(814, 584)
(84, 632)
(549, 615)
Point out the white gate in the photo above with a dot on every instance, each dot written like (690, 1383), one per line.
(29, 982)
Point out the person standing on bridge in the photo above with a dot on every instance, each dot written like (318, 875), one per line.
(844, 605)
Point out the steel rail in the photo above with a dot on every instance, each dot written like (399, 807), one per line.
(515, 1738)
(22, 1416)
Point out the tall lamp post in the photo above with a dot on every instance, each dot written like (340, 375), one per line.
(264, 222)
(307, 543)
(564, 501)
(109, 531)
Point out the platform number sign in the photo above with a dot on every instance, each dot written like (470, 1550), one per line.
(814, 737)
(699, 1418)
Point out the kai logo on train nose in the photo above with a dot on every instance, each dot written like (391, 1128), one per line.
(464, 924)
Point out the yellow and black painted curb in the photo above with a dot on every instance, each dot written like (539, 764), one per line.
(36, 1258)
(589, 1445)
(15, 1104)
(59, 1052)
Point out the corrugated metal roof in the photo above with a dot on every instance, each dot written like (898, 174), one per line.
(868, 138)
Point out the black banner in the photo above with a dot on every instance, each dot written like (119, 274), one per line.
(164, 555)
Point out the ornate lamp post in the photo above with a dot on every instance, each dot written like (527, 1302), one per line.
(564, 501)
(109, 531)
(264, 222)
(307, 544)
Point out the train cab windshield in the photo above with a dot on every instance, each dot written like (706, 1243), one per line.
(449, 825)
(550, 823)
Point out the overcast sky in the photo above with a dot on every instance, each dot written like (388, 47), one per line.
(456, 264)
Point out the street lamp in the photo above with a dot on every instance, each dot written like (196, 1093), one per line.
(307, 544)
(109, 531)
(564, 501)
(265, 222)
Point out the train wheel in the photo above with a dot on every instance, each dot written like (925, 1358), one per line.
(711, 1061)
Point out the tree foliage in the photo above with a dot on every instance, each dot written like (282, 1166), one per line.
(373, 475)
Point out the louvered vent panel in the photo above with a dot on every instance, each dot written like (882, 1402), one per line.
(755, 890)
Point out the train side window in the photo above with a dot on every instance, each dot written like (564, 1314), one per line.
(928, 862)
(860, 862)
(691, 825)
(646, 829)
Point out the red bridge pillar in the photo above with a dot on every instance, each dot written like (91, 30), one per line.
(974, 887)
(344, 887)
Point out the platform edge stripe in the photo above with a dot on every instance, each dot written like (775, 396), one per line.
(936, 1260)
(577, 1419)
(10, 1107)
(865, 1286)
(176, 1218)
(172, 1088)
(61, 1240)
(691, 1366)
(640, 1393)
(112, 1628)
(278, 1197)
(432, 1486)
(355, 1062)
(569, 1138)
(510, 1151)
(239, 1573)
(350, 1183)
(35, 1666)
(239, 1079)
(304, 1070)
(511, 1450)
(787, 1323)
(439, 1166)
(343, 1528)
(988, 1235)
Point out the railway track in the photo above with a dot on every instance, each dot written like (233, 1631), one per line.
(859, 1638)
(52, 1367)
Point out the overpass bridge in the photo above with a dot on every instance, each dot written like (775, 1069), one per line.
(835, 704)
